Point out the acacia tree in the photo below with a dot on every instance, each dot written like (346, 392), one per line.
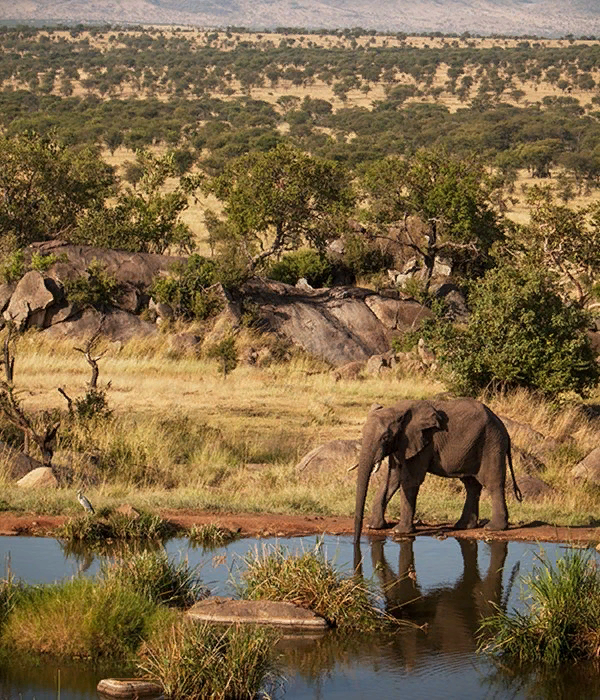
(144, 218)
(451, 196)
(45, 186)
(562, 239)
(279, 200)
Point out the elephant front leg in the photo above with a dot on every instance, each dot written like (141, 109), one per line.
(470, 515)
(408, 503)
(387, 490)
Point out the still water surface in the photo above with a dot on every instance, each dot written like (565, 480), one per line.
(444, 586)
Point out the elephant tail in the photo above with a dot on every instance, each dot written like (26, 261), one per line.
(517, 490)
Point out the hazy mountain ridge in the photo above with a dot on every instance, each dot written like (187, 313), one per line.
(541, 17)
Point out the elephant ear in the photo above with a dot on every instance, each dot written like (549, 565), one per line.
(422, 416)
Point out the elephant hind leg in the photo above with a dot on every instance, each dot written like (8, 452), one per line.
(499, 519)
(470, 515)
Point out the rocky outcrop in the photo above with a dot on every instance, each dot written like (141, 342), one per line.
(340, 325)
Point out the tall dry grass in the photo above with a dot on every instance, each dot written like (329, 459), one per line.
(182, 436)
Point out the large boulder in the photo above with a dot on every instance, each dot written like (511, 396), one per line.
(339, 455)
(42, 477)
(116, 325)
(30, 299)
(589, 468)
(340, 325)
(17, 463)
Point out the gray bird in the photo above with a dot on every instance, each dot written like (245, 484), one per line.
(85, 503)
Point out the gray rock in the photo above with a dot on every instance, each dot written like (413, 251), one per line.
(42, 477)
(589, 468)
(340, 325)
(29, 301)
(256, 612)
(336, 455)
(117, 325)
(162, 310)
(375, 364)
(6, 291)
(18, 464)
(532, 488)
(185, 343)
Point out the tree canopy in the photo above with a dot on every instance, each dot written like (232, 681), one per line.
(278, 200)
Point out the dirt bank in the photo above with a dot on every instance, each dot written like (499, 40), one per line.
(274, 525)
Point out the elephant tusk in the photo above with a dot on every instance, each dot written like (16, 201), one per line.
(375, 468)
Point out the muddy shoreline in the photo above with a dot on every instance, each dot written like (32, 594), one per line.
(277, 525)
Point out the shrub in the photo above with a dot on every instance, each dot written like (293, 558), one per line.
(562, 622)
(226, 353)
(308, 579)
(187, 289)
(310, 264)
(520, 333)
(12, 267)
(202, 662)
(96, 288)
(211, 536)
(117, 526)
(362, 259)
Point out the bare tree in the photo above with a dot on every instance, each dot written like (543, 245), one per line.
(11, 408)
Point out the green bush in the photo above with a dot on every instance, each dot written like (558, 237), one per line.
(187, 288)
(520, 333)
(310, 264)
(362, 258)
(96, 288)
(78, 619)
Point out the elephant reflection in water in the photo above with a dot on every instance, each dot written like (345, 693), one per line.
(448, 617)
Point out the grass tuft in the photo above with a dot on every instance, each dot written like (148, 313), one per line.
(117, 526)
(562, 622)
(203, 662)
(211, 536)
(156, 577)
(308, 579)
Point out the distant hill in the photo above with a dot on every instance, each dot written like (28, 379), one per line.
(519, 17)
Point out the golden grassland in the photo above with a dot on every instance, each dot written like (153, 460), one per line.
(182, 436)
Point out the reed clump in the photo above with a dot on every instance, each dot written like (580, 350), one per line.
(79, 619)
(562, 619)
(118, 526)
(157, 577)
(310, 580)
(211, 535)
(195, 661)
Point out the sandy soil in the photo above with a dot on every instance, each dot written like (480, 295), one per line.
(273, 525)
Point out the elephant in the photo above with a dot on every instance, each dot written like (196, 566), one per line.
(459, 438)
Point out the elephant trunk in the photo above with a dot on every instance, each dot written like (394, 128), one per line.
(365, 466)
